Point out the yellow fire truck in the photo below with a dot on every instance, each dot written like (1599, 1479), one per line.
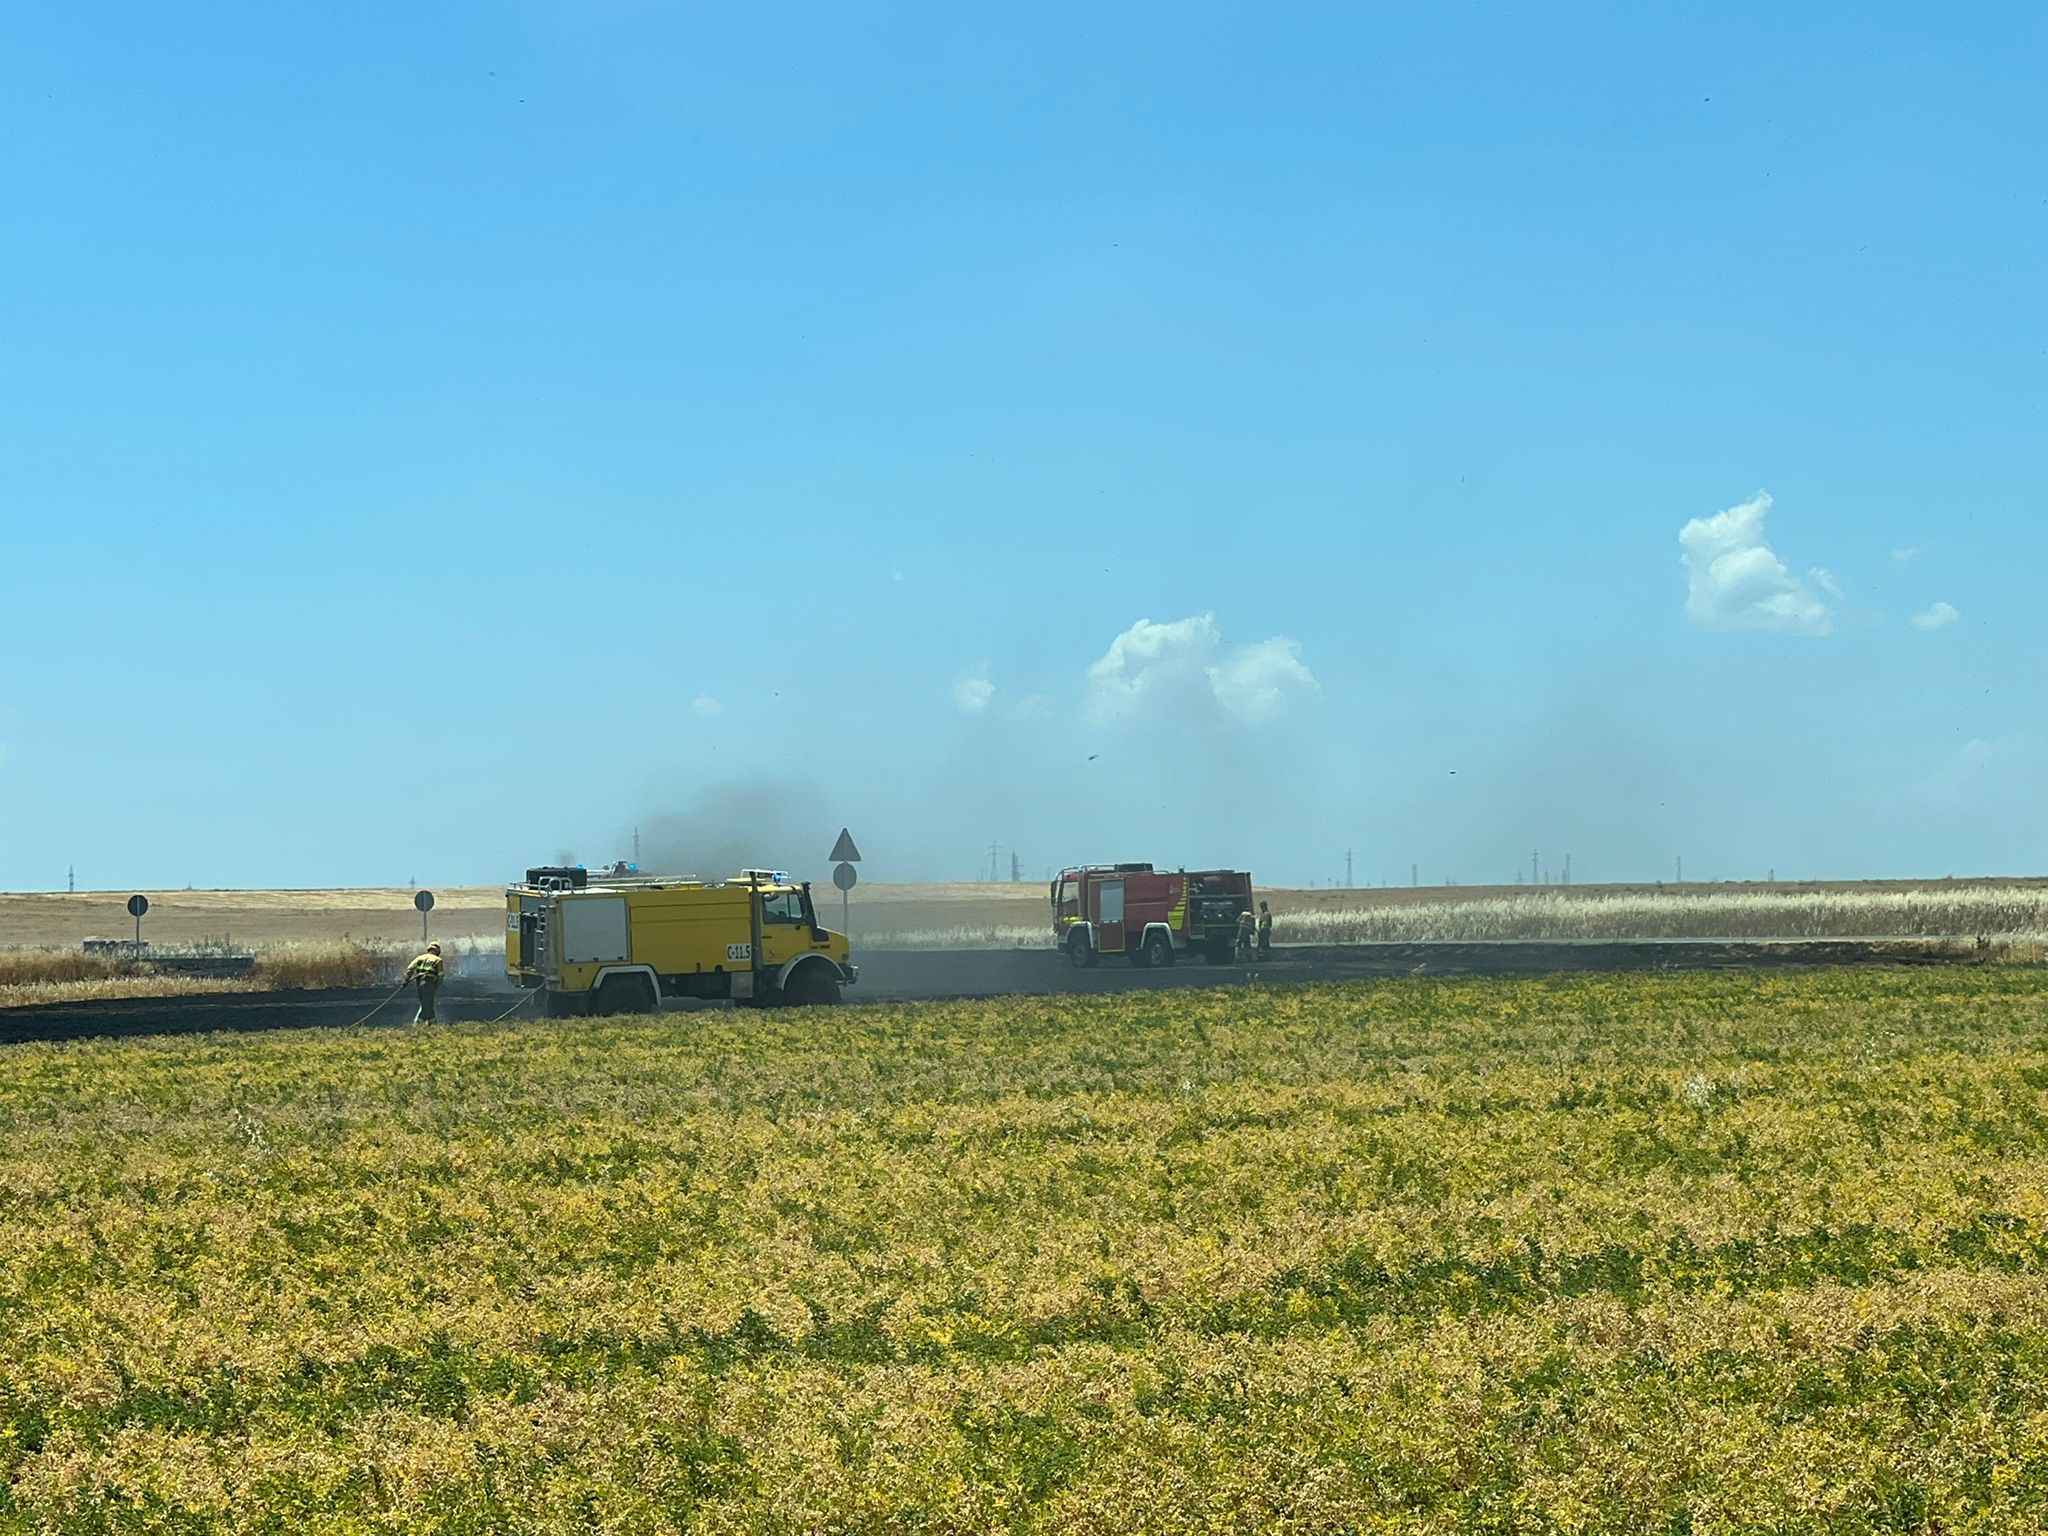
(622, 943)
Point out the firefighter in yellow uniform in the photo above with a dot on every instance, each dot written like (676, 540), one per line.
(1244, 934)
(1265, 932)
(425, 974)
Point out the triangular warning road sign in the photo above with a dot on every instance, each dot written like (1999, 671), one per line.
(843, 851)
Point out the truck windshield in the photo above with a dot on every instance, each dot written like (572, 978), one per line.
(783, 907)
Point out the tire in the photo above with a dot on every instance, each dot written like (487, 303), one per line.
(1080, 953)
(623, 994)
(811, 987)
(1157, 950)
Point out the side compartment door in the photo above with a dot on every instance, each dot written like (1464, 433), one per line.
(594, 931)
(1109, 917)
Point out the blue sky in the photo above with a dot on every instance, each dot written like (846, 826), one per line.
(434, 440)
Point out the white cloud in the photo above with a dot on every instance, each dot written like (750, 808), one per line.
(976, 693)
(707, 706)
(895, 573)
(1825, 580)
(1906, 555)
(1735, 580)
(1940, 616)
(1256, 682)
(973, 691)
(1148, 662)
(1185, 665)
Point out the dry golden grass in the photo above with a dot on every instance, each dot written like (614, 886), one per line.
(2010, 913)
(1008, 916)
(320, 938)
(33, 976)
(261, 920)
(344, 963)
(46, 967)
(250, 919)
(33, 993)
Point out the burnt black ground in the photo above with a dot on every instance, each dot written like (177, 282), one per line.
(907, 975)
(901, 975)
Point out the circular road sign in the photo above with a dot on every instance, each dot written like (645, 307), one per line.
(137, 905)
(424, 901)
(844, 876)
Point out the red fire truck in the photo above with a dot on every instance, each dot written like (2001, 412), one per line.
(1153, 916)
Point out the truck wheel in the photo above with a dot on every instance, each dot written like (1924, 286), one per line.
(624, 994)
(811, 987)
(1080, 953)
(1158, 950)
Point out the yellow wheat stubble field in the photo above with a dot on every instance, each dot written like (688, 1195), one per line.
(1596, 1254)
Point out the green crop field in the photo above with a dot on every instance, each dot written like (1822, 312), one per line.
(1663, 1253)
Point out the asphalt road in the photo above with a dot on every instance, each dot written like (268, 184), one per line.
(906, 975)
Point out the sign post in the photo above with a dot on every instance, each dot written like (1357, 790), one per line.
(845, 877)
(845, 855)
(425, 902)
(137, 905)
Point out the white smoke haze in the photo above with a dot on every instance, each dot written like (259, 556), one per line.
(1735, 580)
(1940, 616)
(1184, 670)
(707, 706)
(1980, 793)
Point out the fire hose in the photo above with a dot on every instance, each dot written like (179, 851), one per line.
(406, 981)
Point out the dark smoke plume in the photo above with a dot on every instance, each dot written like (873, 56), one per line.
(755, 824)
